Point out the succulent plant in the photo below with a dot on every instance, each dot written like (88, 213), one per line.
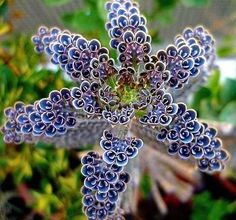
(110, 97)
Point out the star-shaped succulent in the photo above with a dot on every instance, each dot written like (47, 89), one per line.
(112, 99)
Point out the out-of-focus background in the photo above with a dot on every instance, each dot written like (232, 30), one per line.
(41, 182)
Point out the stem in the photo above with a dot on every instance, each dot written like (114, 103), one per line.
(129, 198)
(120, 131)
(158, 199)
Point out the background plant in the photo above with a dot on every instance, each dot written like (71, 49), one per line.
(28, 82)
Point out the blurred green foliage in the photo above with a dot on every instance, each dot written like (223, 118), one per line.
(56, 2)
(162, 12)
(5, 26)
(195, 3)
(90, 19)
(22, 74)
(227, 47)
(207, 208)
(216, 100)
(47, 178)
(145, 185)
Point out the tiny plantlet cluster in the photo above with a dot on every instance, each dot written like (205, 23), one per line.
(110, 96)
